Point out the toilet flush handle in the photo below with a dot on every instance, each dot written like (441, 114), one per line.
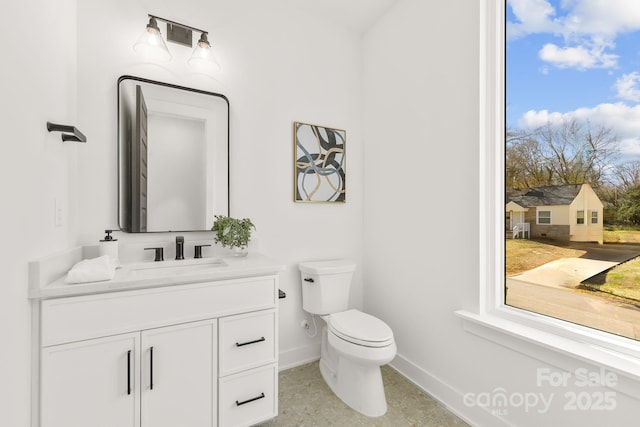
(308, 279)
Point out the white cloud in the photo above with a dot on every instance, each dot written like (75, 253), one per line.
(576, 57)
(576, 18)
(627, 87)
(534, 16)
(623, 119)
(588, 28)
(608, 18)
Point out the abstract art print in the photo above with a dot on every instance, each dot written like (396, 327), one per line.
(319, 154)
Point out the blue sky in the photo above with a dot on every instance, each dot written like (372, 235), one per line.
(575, 58)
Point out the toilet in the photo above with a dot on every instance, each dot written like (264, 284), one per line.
(354, 344)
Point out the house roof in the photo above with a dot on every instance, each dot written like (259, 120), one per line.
(555, 195)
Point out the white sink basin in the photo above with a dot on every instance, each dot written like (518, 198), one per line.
(174, 268)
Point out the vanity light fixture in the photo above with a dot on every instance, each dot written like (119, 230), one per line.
(151, 45)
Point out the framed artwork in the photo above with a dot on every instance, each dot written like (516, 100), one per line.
(319, 155)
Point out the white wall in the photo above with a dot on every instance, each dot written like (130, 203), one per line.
(36, 168)
(421, 244)
(279, 65)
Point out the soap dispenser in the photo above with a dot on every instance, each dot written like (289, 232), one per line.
(109, 246)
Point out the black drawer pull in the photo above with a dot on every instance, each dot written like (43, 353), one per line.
(128, 372)
(308, 279)
(151, 368)
(240, 344)
(250, 400)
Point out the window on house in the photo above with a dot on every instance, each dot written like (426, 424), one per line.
(567, 144)
(544, 217)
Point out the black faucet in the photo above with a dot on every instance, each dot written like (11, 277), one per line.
(179, 247)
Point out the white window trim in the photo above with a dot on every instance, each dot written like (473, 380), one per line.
(591, 217)
(542, 337)
(584, 219)
(538, 217)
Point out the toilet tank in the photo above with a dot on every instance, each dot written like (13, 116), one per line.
(325, 285)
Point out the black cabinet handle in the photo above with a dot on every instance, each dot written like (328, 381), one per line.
(150, 368)
(240, 344)
(308, 279)
(128, 372)
(250, 400)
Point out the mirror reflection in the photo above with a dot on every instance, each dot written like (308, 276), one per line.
(173, 149)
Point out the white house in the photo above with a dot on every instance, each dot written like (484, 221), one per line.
(560, 212)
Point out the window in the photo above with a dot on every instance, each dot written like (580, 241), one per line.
(521, 330)
(544, 217)
(561, 135)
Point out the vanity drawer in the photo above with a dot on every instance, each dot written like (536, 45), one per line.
(249, 397)
(83, 317)
(247, 341)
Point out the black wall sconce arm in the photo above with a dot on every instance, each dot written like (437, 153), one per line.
(69, 133)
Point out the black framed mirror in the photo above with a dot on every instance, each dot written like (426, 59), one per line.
(173, 156)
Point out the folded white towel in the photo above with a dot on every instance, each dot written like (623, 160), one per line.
(92, 270)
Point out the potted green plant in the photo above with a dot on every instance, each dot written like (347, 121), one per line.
(233, 233)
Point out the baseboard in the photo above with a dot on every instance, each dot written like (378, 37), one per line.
(291, 358)
(448, 396)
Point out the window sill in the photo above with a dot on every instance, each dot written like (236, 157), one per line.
(553, 349)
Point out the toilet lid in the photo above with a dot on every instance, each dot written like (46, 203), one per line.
(360, 328)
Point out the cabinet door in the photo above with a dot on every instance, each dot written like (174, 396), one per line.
(91, 383)
(178, 371)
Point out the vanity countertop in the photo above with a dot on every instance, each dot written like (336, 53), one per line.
(47, 276)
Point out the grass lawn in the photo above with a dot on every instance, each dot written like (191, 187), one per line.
(622, 281)
(621, 234)
(523, 254)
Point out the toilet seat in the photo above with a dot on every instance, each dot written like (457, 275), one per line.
(360, 328)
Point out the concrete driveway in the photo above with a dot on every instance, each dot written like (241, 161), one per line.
(548, 290)
(570, 272)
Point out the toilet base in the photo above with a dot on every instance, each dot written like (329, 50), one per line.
(357, 385)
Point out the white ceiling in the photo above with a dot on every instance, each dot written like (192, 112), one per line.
(357, 15)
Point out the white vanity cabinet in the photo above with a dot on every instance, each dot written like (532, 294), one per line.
(195, 355)
(87, 381)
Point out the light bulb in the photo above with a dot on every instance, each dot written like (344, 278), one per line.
(151, 45)
(203, 59)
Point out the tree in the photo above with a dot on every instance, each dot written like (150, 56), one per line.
(577, 153)
(629, 210)
(523, 165)
(568, 152)
(626, 176)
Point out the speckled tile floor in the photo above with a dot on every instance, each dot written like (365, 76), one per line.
(306, 400)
